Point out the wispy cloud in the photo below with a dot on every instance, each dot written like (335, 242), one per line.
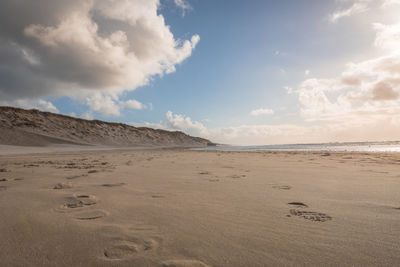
(359, 6)
(261, 111)
(184, 5)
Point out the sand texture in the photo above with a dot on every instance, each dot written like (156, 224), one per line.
(194, 208)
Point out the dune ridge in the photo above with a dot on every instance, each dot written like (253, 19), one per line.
(36, 128)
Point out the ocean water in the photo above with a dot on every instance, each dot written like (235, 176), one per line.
(389, 146)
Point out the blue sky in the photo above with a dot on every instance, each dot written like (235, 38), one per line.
(262, 72)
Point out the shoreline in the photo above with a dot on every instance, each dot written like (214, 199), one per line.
(8, 150)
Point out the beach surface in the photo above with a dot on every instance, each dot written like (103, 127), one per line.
(199, 208)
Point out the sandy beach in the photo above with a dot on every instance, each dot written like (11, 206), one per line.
(197, 208)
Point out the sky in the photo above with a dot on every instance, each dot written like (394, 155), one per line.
(236, 72)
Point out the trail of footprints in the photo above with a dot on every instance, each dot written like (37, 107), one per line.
(125, 246)
(299, 207)
(83, 207)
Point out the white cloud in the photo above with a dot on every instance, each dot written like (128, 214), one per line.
(104, 104)
(85, 48)
(182, 123)
(280, 53)
(307, 72)
(388, 3)
(388, 36)
(87, 115)
(288, 89)
(183, 4)
(368, 91)
(284, 133)
(177, 122)
(361, 103)
(133, 104)
(110, 105)
(31, 104)
(261, 111)
(359, 6)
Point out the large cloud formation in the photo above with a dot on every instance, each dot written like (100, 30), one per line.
(89, 49)
(370, 87)
(361, 103)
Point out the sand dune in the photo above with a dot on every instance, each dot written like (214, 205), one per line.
(35, 128)
(192, 208)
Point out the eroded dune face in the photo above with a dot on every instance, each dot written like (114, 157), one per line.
(35, 128)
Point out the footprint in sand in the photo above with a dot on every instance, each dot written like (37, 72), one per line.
(282, 187)
(129, 248)
(183, 263)
(121, 250)
(2, 188)
(78, 201)
(311, 215)
(158, 196)
(79, 206)
(236, 176)
(308, 215)
(130, 241)
(76, 176)
(90, 215)
(298, 204)
(3, 180)
(62, 186)
(31, 165)
(113, 185)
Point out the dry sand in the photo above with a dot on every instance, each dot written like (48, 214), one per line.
(194, 208)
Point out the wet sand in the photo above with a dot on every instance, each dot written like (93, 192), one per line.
(198, 208)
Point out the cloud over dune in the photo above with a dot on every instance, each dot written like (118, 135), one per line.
(86, 49)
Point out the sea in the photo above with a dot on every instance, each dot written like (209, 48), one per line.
(385, 146)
